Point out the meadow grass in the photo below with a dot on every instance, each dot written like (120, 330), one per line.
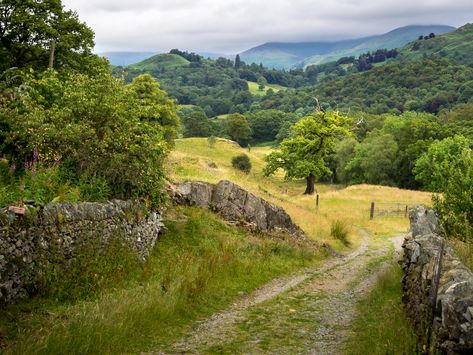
(197, 268)
(381, 325)
(191, 160)
(254, 88)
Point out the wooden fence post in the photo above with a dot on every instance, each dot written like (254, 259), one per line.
(372, 210)
(317, 201)
(405, 213)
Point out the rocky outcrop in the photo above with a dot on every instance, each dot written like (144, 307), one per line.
(437, 287)
(234, 204)
(30, 243)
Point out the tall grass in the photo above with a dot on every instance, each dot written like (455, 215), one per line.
(381, 325)
(198, 267)
(464, 251)
(190, 160)
(339, 231)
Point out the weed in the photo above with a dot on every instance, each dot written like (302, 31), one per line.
(339, 231)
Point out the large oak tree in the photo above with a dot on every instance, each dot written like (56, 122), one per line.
(303, 154)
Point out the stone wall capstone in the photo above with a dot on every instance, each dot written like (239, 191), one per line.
(28, 244)
(437, 288)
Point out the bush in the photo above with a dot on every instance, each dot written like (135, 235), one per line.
(111, 137)
(242, 162)
(339, 231)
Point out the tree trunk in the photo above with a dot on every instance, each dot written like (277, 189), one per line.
(310, 188)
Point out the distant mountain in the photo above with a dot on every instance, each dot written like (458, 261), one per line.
(214, 55)
(126, 58)
(457, 45)
(282, 55)
(160, 61)
(287, 55)
(393, 39)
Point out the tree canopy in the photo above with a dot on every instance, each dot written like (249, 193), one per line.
(30, 30)
(303, 154)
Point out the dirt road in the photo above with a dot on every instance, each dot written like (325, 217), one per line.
(307, 313)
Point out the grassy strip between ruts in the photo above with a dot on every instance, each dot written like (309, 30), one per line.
(197, 268)
(381, 325)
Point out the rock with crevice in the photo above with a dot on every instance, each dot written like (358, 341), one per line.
(234, 204)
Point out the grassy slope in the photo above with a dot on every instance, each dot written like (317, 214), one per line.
(457, 45)
(191, 158)
(254, 88)
(161, 60)
(197, 268)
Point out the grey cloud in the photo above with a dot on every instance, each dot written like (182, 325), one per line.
(230, 26)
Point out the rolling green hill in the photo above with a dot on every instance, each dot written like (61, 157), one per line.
(457, 45)
(161, 61)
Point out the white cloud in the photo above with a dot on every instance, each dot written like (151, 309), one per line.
(230, 26)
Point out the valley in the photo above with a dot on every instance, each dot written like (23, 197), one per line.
(311, 194)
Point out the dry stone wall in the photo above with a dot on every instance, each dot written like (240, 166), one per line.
(438, 288)
(28, 244)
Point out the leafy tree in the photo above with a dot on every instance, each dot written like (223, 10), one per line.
(459, 120)
(238, 62)
(30, 30)
(196, 124)
(373, 160)
(303, 155)
(447, 167)
(238, 128)
(266, 124)
(413, 132)
(155, 106)
(435, 167)
(345, 152)
(262, 82)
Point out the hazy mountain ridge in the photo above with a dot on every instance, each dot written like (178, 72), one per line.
(390, 40)
(286, 55)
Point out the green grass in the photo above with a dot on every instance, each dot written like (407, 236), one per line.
(381, 325)
(192, 157)
(254, 88)
(199, 266)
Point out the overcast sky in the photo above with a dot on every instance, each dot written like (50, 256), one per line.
(230, 26)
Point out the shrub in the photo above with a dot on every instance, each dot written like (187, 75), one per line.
(339, 231)
(242, 162)
(96, 126)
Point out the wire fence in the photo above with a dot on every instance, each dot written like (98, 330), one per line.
(399, 209)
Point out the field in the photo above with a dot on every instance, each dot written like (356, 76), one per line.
(192, 159)
(254, 88)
